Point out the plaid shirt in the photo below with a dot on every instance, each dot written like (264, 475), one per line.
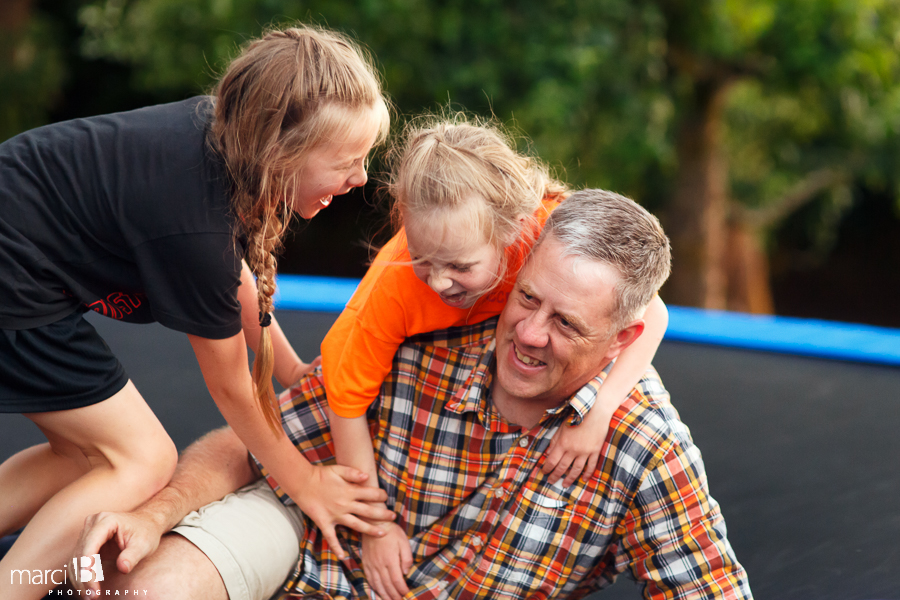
(484, 521)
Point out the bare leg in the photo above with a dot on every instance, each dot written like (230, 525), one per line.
(31, 477)
(177, 570)
(129, 458)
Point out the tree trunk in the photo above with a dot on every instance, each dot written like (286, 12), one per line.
(14, 15)
(696, 216)
(747, 270)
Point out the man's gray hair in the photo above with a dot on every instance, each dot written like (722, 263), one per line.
(609, 228)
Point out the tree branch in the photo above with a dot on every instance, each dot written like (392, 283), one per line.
(804, 192)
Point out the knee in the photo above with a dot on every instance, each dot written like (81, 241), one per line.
(149, 465)
(160, 465)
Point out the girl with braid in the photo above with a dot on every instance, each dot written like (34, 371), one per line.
(164, 214)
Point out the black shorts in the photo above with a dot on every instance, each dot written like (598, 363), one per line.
(59, 366)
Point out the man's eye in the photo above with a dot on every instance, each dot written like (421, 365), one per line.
(564, 323)
(527, 296)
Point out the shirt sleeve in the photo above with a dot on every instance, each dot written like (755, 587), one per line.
(358, 351)
(675, 538)
(191, 283)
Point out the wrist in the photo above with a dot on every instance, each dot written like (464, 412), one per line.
(162, 515)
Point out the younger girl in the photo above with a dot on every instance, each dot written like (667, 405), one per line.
(145, 216)
(472, 209)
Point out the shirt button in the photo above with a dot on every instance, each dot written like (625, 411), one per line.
(477, 542)
(523, 442)
(499, 493)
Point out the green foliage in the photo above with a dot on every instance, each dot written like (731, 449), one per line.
(30, 76)
(600, 86)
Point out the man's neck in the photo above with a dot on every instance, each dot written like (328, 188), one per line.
(516, 411)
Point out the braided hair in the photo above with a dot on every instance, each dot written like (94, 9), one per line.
(285, 93)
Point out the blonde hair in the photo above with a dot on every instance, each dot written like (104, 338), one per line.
(287, 92)
(441, 162)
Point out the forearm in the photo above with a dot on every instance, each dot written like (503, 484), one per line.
(213, 466)
(273, 449)
(634, 361)
(353, 445)
(288, 366)
(224, 366)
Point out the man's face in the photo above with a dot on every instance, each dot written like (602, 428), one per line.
(554, 334)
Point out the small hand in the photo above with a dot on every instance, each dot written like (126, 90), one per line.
(386, 560)
(336, 495)
(302, 370)
(575, 450)
(136, 536)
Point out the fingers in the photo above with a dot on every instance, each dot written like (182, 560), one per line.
(591, 466)
(135, 551)
(575, 471)
(331, 538)
(554, 454)
(316, 362)
(561, 467)
(374, 579)
(363, 527)
(397, 586)
(98, 529)
(351, 475)
(406, 560)
(374, 512)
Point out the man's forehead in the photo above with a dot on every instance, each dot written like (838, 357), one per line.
(552, 256)
(583, 287)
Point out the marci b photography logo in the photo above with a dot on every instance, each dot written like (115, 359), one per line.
(86, 569)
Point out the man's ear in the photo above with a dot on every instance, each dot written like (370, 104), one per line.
(625, 337)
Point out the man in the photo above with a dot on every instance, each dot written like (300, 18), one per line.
(459, 433)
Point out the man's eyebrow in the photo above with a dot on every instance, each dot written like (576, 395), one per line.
(576, 321)
(524, 287)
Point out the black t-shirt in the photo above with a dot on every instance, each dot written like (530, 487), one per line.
(127, 214)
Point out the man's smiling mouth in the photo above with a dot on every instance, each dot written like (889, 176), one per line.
(526, 359)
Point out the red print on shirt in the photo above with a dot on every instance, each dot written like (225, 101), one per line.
(117, 305)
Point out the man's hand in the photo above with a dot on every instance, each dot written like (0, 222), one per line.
(386, 561)
(137, 537)
(574, 451)
(336, 495)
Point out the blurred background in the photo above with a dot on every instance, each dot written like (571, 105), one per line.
(763, 133)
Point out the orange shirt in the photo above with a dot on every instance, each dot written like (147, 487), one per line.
(392, 304)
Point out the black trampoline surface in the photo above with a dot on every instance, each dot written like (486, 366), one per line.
(802, 454)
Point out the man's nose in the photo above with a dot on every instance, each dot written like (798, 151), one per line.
(533, 330)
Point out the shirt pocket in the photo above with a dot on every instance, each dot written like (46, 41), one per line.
(540, 522)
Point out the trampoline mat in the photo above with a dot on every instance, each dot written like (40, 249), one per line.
(802, 454)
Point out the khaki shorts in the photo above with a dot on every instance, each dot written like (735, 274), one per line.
(251, 538)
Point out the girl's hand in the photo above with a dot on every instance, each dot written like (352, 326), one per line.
(336, 495)
(386, 560)
(575, 450)
(301, 370)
